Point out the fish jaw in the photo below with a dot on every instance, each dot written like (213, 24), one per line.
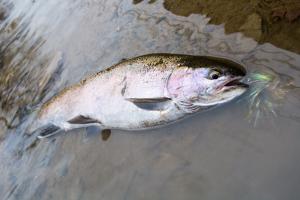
(226, 92)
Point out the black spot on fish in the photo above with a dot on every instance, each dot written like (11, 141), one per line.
(125, 86)
(122, 60)
(123, 89)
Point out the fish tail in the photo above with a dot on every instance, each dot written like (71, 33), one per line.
(47, 131)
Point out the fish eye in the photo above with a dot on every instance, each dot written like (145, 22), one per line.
(214, 75)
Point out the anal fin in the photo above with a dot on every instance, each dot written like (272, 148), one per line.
(105, 134)
(93, 130)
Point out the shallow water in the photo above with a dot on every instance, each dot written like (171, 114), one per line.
(220, 154)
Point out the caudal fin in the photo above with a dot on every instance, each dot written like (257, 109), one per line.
(47, 131)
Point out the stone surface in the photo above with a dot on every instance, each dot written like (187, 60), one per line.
(252, 26)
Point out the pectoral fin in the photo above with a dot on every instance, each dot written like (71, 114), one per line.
(160, 103)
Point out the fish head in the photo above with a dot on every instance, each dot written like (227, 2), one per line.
(207, 84)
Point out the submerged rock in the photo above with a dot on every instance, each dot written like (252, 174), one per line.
(263, 20)
(253, 26)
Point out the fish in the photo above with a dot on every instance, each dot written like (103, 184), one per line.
(144, 92)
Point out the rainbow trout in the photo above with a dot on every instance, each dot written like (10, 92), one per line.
(143, 92)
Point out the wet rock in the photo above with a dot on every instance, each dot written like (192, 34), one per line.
(137, 1)
(2, 131)
(290, 15)
(273, 19)
(293, 15)
(4, 11)
(2, 14)
(184, 8)
(278, 15)
(298, 31)
(253, 26)
(151, 1)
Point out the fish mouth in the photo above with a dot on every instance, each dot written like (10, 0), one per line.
(233, 84)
